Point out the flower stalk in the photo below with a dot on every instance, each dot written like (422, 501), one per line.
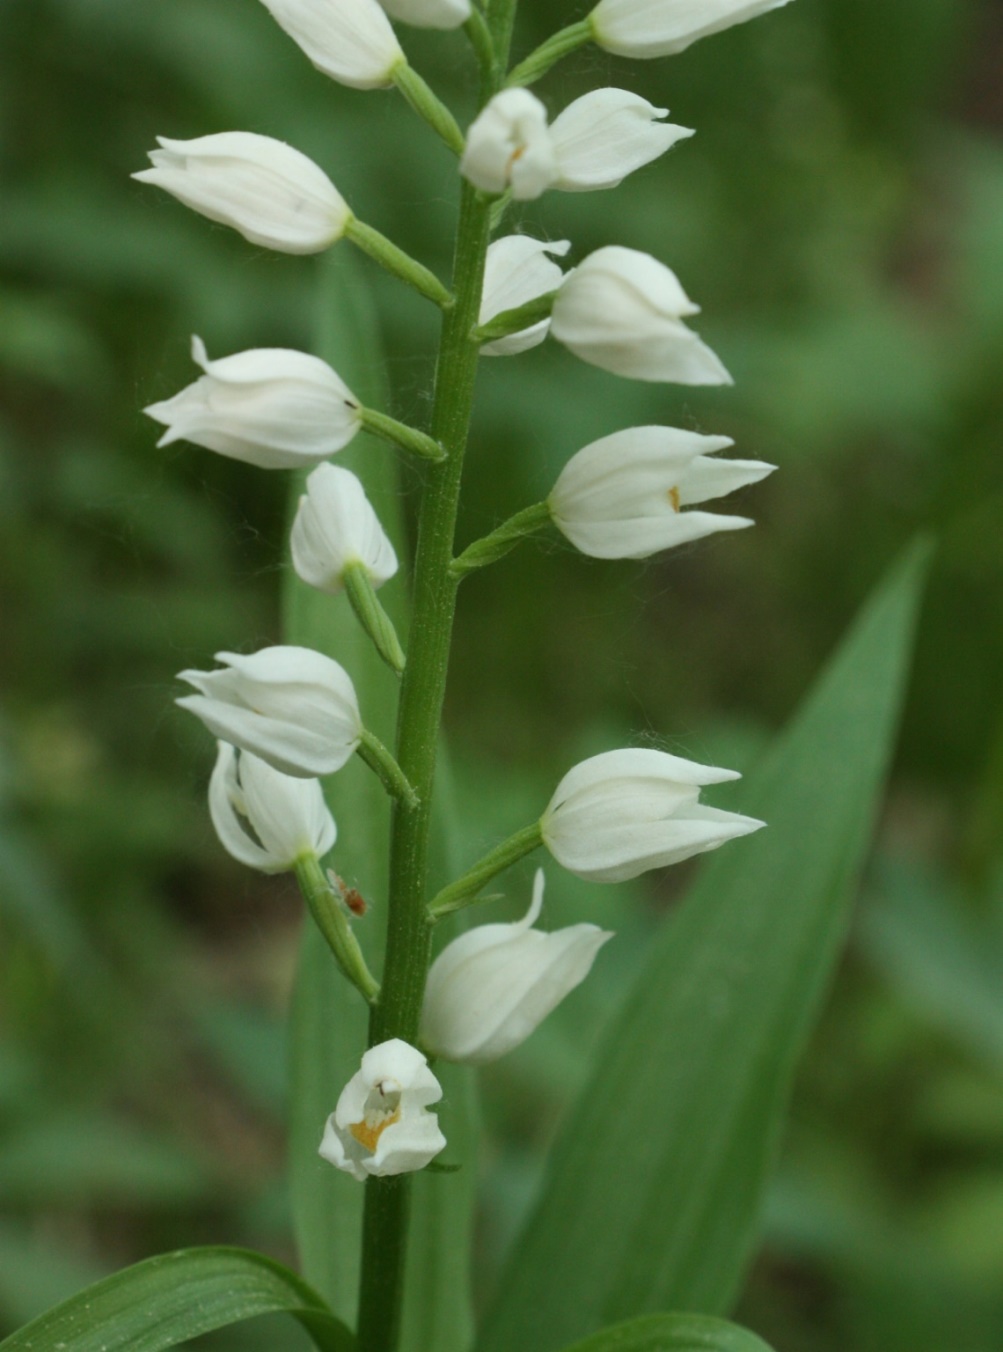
(560, 45)
(391, 257)
(464, 892)
(390, 774)
(333, 923)
(370, 613)
(428, 106)
(399, 434)
(514, 321)
(502, 540)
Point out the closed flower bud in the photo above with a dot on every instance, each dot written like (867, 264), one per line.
(646, 28)
(623, 310)
(493, 986)
(382, 1125)
(429, 13)
(293, 707)
(269, 192)
(509, 146)
(517, 271)
(625, 812)
(335, 526)
(270, 407)
(605, 135)
(264, 818)
(349, 40)
(622, 497)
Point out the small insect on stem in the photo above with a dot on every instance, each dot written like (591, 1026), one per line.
(350, 897)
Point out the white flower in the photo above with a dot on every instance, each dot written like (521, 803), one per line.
(662, 27)
(287, 817)
(272, 194)
(509, 146)
(335, 525)
(349, 40)
(493, 986)
(517, 271)
(621, 497)
(293, 707)
(382, 1125)
(605, 135)
(623, 310)
(429, 13)
(624, 812)
(595, 143)
(270, 407)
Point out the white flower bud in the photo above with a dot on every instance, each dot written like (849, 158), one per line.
(508, 146)
(335, 525)
(623, 310)
(270, 407)
(349, 40)
(605, 135)
(493, 986)
(272, 194)
(382, 1125)
(429, 13)
(293, 707)
(287, 817)
(621, 497)
(624, 812)
(644, 28)
(518, 271)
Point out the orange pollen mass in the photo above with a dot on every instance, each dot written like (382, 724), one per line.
(674, 498)
(368, 1135)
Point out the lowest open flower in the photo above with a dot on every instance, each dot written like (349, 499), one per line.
(622, 497)
(646, 28)
(624, 812)
(349, 40)
(272, 194)
(519, 269)
(265, 819)
(271, 407)
(293, 707)
(335, 527)
(493, 986)
(382, 1125)
(623, 310)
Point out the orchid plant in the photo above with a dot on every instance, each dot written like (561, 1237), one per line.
(287, 715)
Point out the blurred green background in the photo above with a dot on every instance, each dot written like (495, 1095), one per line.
(840, 218)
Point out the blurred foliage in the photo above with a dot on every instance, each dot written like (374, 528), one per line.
(840, 217)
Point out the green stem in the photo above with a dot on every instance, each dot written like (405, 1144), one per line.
(392, 777)
(422, 694)
(399, 434)
(464, 891)
(395, 260)
(505, 538)
(477, 30)
(334, 924)
(374, 619)
(517, 319)
(429, 106)
(550, 52)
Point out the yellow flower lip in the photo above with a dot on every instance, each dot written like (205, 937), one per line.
(368, 1134)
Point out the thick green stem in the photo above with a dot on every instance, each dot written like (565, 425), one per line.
(335, 926)
(464, 891)
(501, 541)
(385, 252)
(422, 693)
(550, 52)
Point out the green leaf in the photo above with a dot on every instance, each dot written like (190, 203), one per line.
(329, 1022)
(655, 1184)
(673, 1333)
(177, 1296)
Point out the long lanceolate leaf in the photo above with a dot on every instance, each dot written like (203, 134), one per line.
(654, 1187)
(329, 1019)
(673, 1333)
(175, 1297)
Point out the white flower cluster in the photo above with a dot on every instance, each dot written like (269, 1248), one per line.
(286, 715)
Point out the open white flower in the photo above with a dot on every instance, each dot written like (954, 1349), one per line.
(623, 310)
(624, 812)
(508, 146)
(382, 1125)
(621, 497)
(349, 40)
(264, 818)
(493, 986)
(429, 13)
(272, 194)
(594, 143)
(336, 526)
(646, 28)
(270, 407)
(293, 707)
(518, 269)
